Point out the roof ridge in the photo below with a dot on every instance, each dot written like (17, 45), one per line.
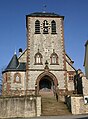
(46, 14)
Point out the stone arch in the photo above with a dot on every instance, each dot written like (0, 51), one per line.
(49, 74)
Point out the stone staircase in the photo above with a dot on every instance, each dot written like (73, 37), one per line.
(50, 106)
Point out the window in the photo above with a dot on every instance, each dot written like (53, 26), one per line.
(38, 58)
(17, 78)
(53, 27)
(45, 27)
(86, 99)
(71, 77)
(54, 61)
(54, 58)
(37, 27)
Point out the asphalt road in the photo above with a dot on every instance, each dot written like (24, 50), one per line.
(57, 117)
(62, 117)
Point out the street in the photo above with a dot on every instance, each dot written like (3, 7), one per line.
(57, 117)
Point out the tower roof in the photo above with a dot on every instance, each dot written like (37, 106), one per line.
(44, 14)
(15, 65)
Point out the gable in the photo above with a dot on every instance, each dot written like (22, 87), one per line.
(69, 63)
(23, 56)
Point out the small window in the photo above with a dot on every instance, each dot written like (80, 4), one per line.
(53, 27)
(71, 77)
(86, 100)
(37, 27)
(45, 27)
(17, 78)
(38, 58)
(54, 58)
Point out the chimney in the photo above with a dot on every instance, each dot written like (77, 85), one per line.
(20, 51)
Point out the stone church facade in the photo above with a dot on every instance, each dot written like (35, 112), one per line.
(44, 66)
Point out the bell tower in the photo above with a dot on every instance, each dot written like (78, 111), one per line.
(45, 42)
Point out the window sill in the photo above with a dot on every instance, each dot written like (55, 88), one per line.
(53, 33)
(38, 64)
(54, 64)
(45, 33)
(37, 33)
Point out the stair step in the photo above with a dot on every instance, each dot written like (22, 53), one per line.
(50, 106)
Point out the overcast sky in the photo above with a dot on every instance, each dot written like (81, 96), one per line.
(13, 26)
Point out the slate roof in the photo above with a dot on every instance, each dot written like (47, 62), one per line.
(15, 65)
(86, 43)
(42, 14)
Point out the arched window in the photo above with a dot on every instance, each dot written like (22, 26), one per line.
(54, 58)
(17, 78)
(37, 27)
(38, 58)
(45, 27)
(53, 27)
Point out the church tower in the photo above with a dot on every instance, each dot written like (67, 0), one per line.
(46, 63)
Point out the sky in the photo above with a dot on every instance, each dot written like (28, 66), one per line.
(13, 26)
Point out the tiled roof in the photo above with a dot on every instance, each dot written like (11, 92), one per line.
(15, 65)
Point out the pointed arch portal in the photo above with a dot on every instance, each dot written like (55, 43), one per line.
(46, 81)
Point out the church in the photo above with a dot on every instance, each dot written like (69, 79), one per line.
(44, 66)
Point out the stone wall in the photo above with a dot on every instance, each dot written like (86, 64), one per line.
(29, 106)
(78, 106)
(12, 87)
(85, 85)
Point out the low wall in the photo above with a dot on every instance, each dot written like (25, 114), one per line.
(22, 106)
(78, 106)
(68, 102)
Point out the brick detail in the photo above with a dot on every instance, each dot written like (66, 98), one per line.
(28, 51)
(64, 58)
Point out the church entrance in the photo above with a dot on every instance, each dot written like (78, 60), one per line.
(46, 84)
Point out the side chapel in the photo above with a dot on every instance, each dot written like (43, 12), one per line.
(44, 66)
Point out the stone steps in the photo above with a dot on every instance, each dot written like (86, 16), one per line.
(50, 106)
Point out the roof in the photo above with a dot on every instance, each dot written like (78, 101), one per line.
(69, 58)
(22, 53)
(86, 43)
(42, 14)
(14, 65)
